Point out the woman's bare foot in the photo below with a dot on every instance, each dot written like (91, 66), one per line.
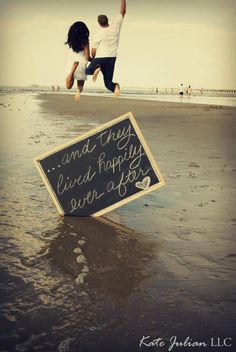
(80, 86)
(77, 95)
(96, 73)
(117, 90)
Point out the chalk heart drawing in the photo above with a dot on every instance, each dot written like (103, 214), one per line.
(144, 184)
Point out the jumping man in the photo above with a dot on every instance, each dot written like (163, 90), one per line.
(104, 50)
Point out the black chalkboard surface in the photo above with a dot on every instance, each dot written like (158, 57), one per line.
(100, 170)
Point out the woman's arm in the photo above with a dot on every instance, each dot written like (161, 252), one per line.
(93, 53)
(87, 53)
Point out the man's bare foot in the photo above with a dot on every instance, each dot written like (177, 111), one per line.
(96, 73)
(77, 95)
(117, 90)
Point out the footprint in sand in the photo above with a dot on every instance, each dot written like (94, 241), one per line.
(81, 259)
(81, 242)
(77, 250)
(193, 164)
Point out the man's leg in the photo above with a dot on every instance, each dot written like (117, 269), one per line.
(93, 66)
(108, 70)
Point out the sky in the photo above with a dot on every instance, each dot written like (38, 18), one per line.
(162, 43)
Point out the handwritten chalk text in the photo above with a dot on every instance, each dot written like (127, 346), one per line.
(125, 179)
(115, 164)
(89, 198)
(123, 137)
(77, 154)
(66, 184)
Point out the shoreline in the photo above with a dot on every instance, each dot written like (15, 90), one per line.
(163, 98)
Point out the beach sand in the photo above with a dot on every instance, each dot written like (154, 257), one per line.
(192, 144)
(160, 266)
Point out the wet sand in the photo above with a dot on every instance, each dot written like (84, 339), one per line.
(160, 266)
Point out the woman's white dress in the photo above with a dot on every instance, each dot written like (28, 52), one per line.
(79, 74)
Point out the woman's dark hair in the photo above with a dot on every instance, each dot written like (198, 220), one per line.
(78, 36)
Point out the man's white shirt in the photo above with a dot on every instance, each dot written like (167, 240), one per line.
(106, 40)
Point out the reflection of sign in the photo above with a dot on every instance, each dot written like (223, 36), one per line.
(100, 170)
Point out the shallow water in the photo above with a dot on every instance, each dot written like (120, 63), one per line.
(93, 285)
(193, 99)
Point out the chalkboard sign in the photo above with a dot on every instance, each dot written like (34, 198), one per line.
(100, 170)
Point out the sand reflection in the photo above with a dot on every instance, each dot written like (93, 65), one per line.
(101, 255)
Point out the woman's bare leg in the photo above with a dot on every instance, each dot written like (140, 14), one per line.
(70, 77)
(80, 86)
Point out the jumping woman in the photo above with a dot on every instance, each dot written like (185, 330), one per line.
(79, 55)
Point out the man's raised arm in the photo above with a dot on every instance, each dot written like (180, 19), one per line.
(123, 7)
